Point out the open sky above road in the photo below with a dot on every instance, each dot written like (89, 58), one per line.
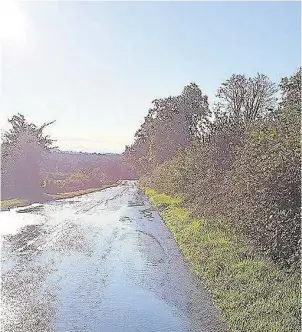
(95, 67)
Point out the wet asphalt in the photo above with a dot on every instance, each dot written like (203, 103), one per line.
(100, 262)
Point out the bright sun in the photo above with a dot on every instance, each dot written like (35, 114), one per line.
(13, 22)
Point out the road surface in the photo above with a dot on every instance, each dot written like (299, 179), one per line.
(101, 262)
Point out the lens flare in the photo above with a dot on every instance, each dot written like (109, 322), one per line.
(13, 23)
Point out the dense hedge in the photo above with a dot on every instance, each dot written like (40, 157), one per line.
(266, 189)
(250, 176)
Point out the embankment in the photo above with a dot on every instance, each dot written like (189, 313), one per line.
(251, 291)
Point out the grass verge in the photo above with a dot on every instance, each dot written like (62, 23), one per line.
(71, 194)
(14, 203)
(252, 292)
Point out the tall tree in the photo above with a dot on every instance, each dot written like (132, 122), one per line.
(291, 90)
(196, 109)
(23, 149)
(244, 100)
(171, 124)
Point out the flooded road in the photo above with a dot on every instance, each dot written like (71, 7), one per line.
(101, 262)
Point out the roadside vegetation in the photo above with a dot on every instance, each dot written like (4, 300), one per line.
(12, 203)
(236, 168)
(252, 292)
(8, 204)
(71, 194)
(33, 170)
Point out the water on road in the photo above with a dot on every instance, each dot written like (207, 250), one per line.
(101, 262)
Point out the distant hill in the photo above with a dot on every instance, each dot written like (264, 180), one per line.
(112, 164)
(86, 153)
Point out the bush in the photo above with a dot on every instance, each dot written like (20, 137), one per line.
(259, 193)
(266, 187)
(246, 169)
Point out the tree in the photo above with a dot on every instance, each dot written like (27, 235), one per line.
(195, 106)
(291, 91)
(243, 100)
(23, 149)
(247, 170)
(98, 176)
(170, 125)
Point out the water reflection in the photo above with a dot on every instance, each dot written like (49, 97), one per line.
(28, 302)
(99, 264)
(36, 209)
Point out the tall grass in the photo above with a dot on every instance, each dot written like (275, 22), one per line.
(252, 292)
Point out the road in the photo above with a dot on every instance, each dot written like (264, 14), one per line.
(101, 262)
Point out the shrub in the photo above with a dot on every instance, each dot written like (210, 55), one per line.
(266, 187)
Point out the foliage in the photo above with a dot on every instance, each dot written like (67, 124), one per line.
(172, 124)
(252, 293)
(266, 180)
(30, 166)
(247, 166)
(85, 179)
(12, 203)
(244, 99)
(22, 151)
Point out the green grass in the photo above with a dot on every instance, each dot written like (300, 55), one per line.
(252, 292)
(162, 200)
(12, 203)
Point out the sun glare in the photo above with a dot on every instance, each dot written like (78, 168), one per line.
(13, 22)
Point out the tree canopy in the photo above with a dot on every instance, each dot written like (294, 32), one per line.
(22, 151)
(242, 163)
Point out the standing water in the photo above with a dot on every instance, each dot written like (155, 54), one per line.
(99, 262)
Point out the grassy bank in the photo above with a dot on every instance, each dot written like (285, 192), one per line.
(253, 294)
(14, 203)
(71, 194)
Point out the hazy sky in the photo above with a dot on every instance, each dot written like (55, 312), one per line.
(95, 67)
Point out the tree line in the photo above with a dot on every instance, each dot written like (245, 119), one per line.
(238, 160)
(31, 164)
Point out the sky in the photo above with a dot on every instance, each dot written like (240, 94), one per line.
(95, 67)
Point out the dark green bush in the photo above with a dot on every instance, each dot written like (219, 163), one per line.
(266, 187)
(247, 171)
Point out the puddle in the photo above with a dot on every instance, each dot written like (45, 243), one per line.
(32, 209)
(143, 240)
(147, 214)
(25, 240)
(83, 267)
(125, 219)
(64, 202)
(133, 204)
